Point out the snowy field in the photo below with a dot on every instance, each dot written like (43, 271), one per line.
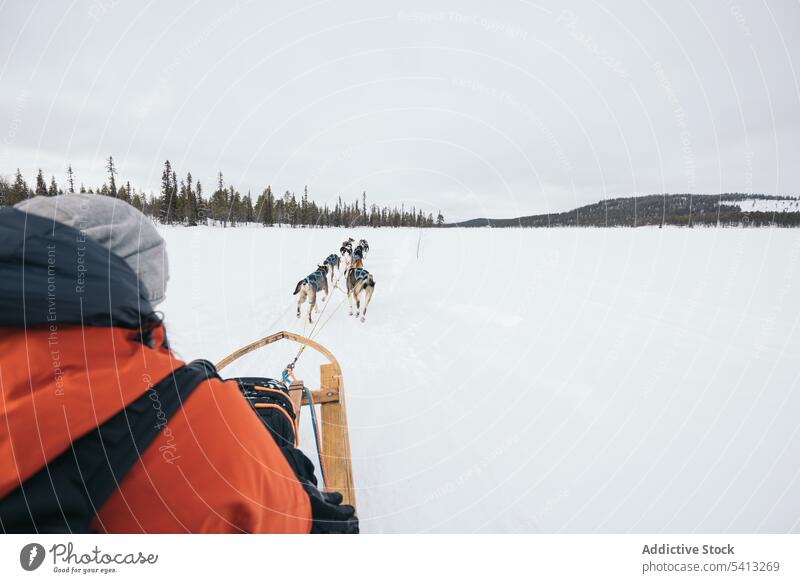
(561, 380)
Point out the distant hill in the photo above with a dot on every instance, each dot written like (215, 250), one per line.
(730, 209)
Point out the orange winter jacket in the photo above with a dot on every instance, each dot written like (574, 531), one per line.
(79, 344)
(213, 468)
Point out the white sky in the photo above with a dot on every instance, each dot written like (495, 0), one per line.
(493, 110)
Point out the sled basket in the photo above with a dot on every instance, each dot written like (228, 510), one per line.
(335, 438)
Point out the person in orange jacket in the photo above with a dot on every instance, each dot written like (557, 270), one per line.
(102, 428)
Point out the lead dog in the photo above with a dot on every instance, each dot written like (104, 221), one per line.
(359, 280)
(347, 244)
(364, 245)
(307, 289)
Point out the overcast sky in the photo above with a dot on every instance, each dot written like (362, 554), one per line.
(481, 109)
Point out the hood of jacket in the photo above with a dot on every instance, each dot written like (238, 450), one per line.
(117, 227)
(51, 272)
(78, 341)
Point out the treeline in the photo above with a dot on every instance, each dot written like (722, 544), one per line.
(182, 201)
(686, 210)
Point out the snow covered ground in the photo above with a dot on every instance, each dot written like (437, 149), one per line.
(563, 380)
(769, 205)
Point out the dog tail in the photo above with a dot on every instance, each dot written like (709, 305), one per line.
(297, 287)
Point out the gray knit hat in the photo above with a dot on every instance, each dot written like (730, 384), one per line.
(117, 226)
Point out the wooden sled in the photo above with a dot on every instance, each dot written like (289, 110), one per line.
(335, 451)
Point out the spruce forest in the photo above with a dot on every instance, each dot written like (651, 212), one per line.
(182, 200)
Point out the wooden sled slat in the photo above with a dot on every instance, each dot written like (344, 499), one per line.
(330, 398)
(335, 435)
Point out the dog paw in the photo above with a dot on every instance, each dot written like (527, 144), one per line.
(363, 318)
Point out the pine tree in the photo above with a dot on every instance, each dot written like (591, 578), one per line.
(136, 200)
(439, 219)
(182, 207)
(235, 207)
(5, 191)
(167, 206)
(218, 203)
(175, 192)
(303, 214)
(174, 196)
(70, 179)
(202, 208)
(269, 207)
(53, 190)
(41, 187)
(280, 211)
(126, 194)
(18, 191)
(191, 202)
(248, 208)
(112, 173)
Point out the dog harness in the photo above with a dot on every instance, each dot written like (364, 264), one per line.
(314, 279)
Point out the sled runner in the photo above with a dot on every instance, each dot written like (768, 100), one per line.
(334, 442)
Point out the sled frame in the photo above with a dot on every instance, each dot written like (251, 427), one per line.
(330, 398)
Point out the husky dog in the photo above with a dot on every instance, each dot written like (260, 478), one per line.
(346, 251)
(364, 246)
(307, 289)
(358, 256)
(359, 280)
(357, 262)
(332, 261)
